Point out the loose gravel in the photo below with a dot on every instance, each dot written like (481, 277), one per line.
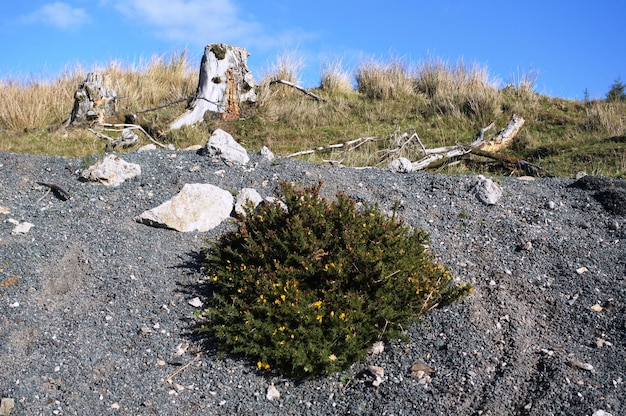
(95, 315)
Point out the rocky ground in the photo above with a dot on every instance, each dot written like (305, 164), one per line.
(95, 315)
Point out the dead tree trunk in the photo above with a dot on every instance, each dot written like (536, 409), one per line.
(94, 101)
(224, 83)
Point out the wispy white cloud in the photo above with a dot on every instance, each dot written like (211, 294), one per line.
(57, 14)
(207, 21)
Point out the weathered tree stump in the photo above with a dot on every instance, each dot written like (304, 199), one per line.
(94, 101)
(224, 83)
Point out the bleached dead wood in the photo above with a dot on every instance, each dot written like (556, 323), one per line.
(124, 139)
(299, 88)
(435, 157)
(405, 143)
(224, 83)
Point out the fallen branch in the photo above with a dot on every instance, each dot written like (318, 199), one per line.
(432, 158)
(299, 88)
(436, 157)
(353, 143)
(124, 140)
(158, 107)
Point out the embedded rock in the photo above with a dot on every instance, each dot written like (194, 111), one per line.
(197, 207)
(222, 145)
(247, 195)
(401, 165)
(486, 190)
(111, 171)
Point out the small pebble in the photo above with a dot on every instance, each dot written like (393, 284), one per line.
(272, 393)
(377, 348)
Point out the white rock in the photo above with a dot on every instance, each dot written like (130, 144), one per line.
(400, 165)
(272, 393)
(196, 302)
(6, 406)
(267, 153)
(582, 270)
(486, 190)
(4, 210)
(601, 413)
(200, 207)
(247, 195)
(111, 171)
(21, 228)
(147, 148)
(223, 145)
(377, 348)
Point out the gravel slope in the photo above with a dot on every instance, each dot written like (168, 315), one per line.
(95, 319)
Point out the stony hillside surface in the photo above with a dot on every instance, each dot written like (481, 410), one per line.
(95, 315)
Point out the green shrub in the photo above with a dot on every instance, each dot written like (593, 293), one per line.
(306, 290)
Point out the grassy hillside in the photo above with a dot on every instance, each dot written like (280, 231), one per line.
(444, 103)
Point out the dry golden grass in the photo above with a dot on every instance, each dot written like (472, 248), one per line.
(335, 79)
(381, 81)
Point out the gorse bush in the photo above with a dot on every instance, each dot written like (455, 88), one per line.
(307, 288)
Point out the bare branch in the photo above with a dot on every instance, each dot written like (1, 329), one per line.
(299, 88)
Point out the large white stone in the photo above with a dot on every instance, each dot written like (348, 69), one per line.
(197, 207)
(111, 171)
(223, 145)
(401, 165)
(486, 190)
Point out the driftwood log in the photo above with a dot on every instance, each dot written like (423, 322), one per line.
(433, 158)
(223, 84)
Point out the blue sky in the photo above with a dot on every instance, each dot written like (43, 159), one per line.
(572, 45)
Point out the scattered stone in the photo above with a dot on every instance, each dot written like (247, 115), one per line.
(551, 205)
(614, 225)
(577, 364)
(111, 171)
(377, 372)
(487, 191)
(400, 165)
(115, 406)
(601, 413)
(377, 348)
(596, 308)
(193, 148)
(6, 406)
(194, 168)
(222, 145)
(526, 246)
(14, 305)
(526, 178)
(20, 228)
(200, 207)
(580, 174)
(4, 210)
(582, 270)
(272, 393)
(267, 153)
(247, 195)
(421, 367)
(196, 302)
(147, 148)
